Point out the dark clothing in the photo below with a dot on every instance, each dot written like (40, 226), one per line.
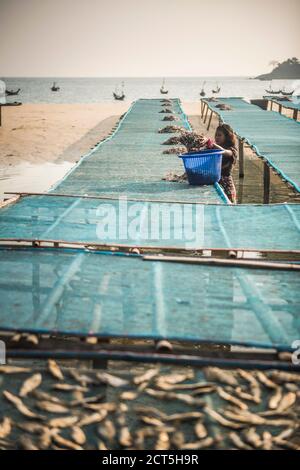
(229, 188)
(228, 162)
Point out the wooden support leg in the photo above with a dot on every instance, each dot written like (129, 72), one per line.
(271, 107)
(267, 176)
(280, 109)
(203, 109)
(206, 113)
(241, 159)
(210, 118)
(295, 114)
(0, 116)
(100, 363)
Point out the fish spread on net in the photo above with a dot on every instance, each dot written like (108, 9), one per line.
(167, 111)
(171, 118)
(173, 141)
(171, 129)
(174, 150)
(192, 140)
(224, 107)
(174, 178)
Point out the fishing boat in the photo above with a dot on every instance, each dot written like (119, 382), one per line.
(119, 95)
(202, 92)
(163, 89)
(286, 93)
(55, 87)
(272, 92)
(217, 89)
(12, 92)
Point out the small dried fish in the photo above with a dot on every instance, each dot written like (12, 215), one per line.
(55, 370)
(26, 443)
(65, 422)
(30, 384)
(65, 387)
(172, 141)
(13, 370)
(125, 438)
(45, 439)
(238, 442)
(66, 442)
(146, 377)
(265, 380)
(163, 441)
(184, 416)
(171, 129)
(102, 446)
(291, 387)
(254, 384)
(151, 421)
(32, 427)
(107, 430)
(170, 118)
(20, 405)
(252, 437)
(284, 404)
(244, 395)
(5, 427)
(149, 410)
(221, 420)
(83, 379)
(275, 399)
(51, 407)
(224, 376)
(101, 406)
(281, 376)
(175, 150)
(177, 439)
(93, 418)
(245, 417)
(267, 440)
(204, 443)
(226, 396)
(200, 430)
(32, 339)
(285, 434)
(175, 396)
(161, 383)
(111, 380)
(41, 395)
(173, 177)
(78, 435)
(287, 444)
(86, 400)
(128, 395)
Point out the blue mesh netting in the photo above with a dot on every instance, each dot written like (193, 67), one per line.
(75, 219)
(132, 162)
(73, 292)
(273, 136)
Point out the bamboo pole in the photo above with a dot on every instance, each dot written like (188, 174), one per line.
(225, 262)
(267, 177)
(206, 113)
(209, 122)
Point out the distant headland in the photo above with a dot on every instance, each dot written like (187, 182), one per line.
(289, 69)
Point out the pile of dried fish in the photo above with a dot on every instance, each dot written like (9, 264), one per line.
(152, 409)
(192, 140)
(175, 150)
(171, 129)
(211, 99)
(166, 101)
(174, 178)
(173, 140)
(167, 110)
(171, 118)
(224, 107)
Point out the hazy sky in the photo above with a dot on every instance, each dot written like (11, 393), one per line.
(146, 37)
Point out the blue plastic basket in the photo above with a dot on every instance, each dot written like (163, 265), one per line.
(203, 167)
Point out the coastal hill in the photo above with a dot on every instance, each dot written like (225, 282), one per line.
(289, 69)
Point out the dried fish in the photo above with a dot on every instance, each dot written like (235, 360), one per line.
(224, 376)
(32, 427)
(291, 387)
(275, 399)
(107, 430)
(5, 427)
(32, 339)
(102, 446)
(167, 111)
(65, 422)
(111, 380)
(51, 407)
(93, 418)
(204, 443)
(175, 396)
(163, 441)
(175, 150)
(192, 140)
(149, 410)
(146, 377)
(265, 380)
(171, 129)
(170, 118)
(128, 395)
(244, 395)
(78, 435)
(55, 370)
(184, 416)
(41, 395)
(173, 177)
(83, 379)
(281, 376)
(65, 387)
(20, 405)
(86, 400)
(66, 442)
(221, 420)
(287, 444)
(226, 396)
(26, 443)
(172, 141)
(267, 440)
(151, 421)
(244, 417)
(161, 383)
(13, 370)
(252, 437)
(101, 406)
(30, 384)
(286, 433)
(125, 438)
(254, 384)
(200, 430)
(283, 404)
(238, 442)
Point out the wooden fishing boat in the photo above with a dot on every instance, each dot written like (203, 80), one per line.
(12, 92)
(163, 90)
(202, 92)
(55, 87)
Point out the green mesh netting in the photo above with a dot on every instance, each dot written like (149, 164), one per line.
(132, 162)
(161, 224)
(73, 292)
(273, 136)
